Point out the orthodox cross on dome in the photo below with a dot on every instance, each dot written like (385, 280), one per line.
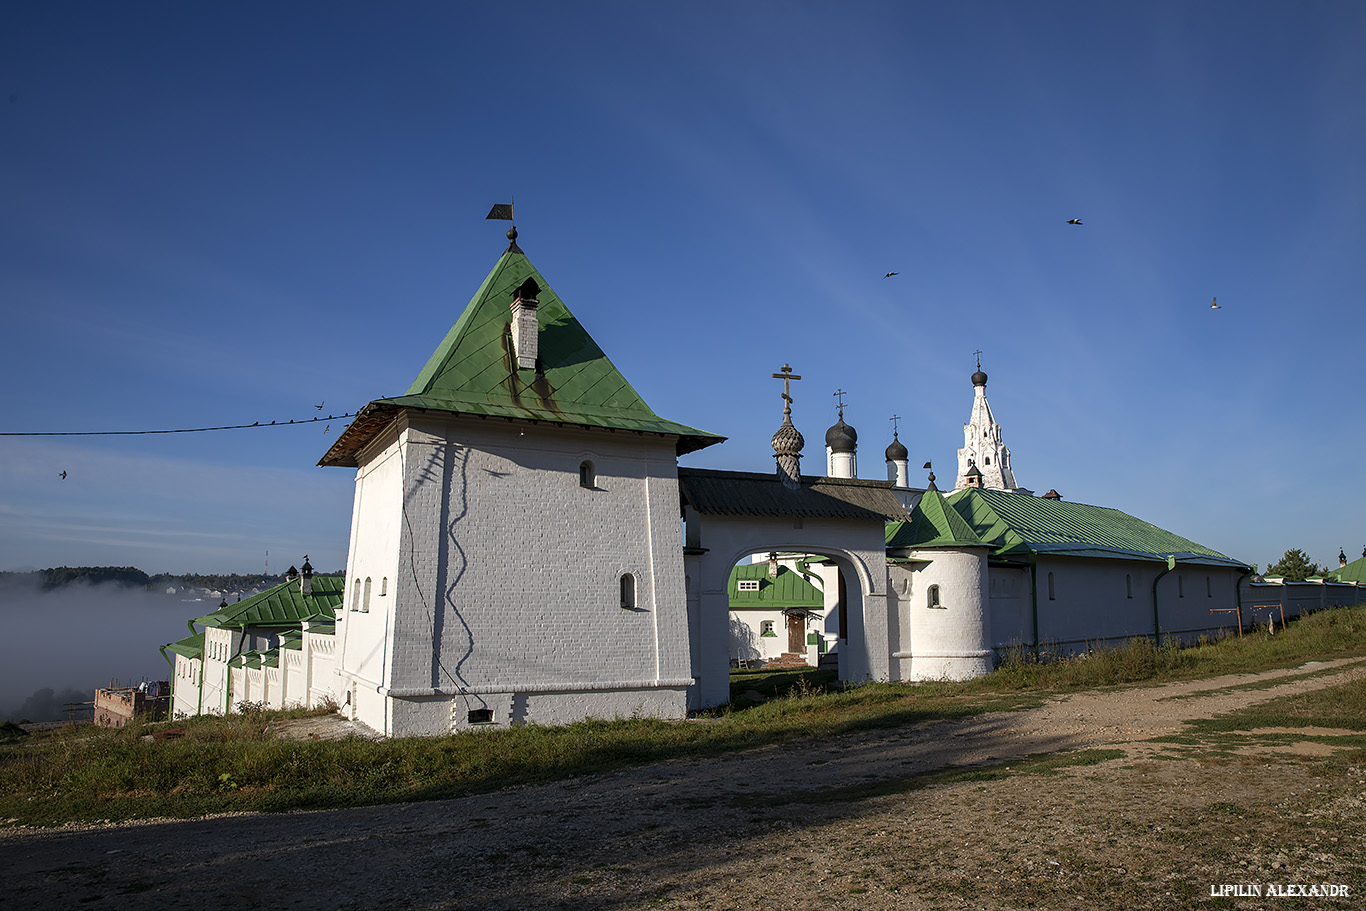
(787, 376)
(978, 352)
(840, 394)
(894, 418)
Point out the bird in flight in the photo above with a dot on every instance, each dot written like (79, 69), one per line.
(1074, 221)
(320, 405)
(64, 476)
(327, 429)
(890, 274)
(1214, 305)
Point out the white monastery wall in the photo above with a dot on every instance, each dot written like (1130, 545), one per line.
(367, 612)
(185, 687)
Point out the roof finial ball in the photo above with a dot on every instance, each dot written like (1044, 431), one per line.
(512, 234)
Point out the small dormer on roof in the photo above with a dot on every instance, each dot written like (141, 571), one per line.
(526, 330)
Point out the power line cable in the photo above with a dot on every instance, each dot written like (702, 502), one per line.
(108, 433)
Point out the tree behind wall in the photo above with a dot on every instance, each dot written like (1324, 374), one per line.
(1294, 566)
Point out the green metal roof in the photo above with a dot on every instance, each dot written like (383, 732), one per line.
(1352, 572)
(283, 605)
(1017, 524)
(932, 524)
(787, 589)
(474, 372)
(189, 647)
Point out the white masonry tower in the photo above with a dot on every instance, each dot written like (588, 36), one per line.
(984, 461)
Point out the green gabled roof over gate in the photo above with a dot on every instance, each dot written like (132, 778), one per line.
(787, 589)
(933, 523)
(283, 605)
(1017, 524)
(474, 372)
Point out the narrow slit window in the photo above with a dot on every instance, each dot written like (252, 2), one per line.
(1180, 586)
(384, 586)
(1128, 586)
(1052, 592)
(932, 597)
(355, 595)
(588, 475)
(365, 598)
(1209, 588)
(628, 592)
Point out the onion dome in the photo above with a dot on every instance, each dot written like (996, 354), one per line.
(896, 452)
(841, 437)
(788, 440)
(979, 378)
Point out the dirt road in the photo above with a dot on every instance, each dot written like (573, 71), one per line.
(836, 824)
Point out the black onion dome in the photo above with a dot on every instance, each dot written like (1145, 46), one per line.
(841, 437)
(897, 452)
(979, 378)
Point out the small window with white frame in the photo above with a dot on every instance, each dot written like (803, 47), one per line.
(748, 585)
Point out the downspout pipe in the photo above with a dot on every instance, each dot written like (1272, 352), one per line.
(1034, 597)
(1238, 597)
(1157, 619)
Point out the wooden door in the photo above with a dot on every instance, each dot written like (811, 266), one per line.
(796, 634)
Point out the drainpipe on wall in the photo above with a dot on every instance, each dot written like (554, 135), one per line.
(1238, 599)
(171, 710)
(1157, 621)
(1034, 597)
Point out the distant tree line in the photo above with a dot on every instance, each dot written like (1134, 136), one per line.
(132, 577)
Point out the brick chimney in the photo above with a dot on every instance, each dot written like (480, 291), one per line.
(526, 324)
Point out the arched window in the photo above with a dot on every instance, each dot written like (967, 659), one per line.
(365, 599)
(987, 460)
(1128, 585)
(932, 597)
(384, 586)
(355, 595)
(1052, 593)
(588, 475)
(628, 591)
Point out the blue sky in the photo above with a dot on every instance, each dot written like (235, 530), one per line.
(220, 214)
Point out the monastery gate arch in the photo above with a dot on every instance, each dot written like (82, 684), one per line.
(728, 515)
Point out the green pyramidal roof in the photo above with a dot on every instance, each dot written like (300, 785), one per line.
(933, 524)
(474, 371)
